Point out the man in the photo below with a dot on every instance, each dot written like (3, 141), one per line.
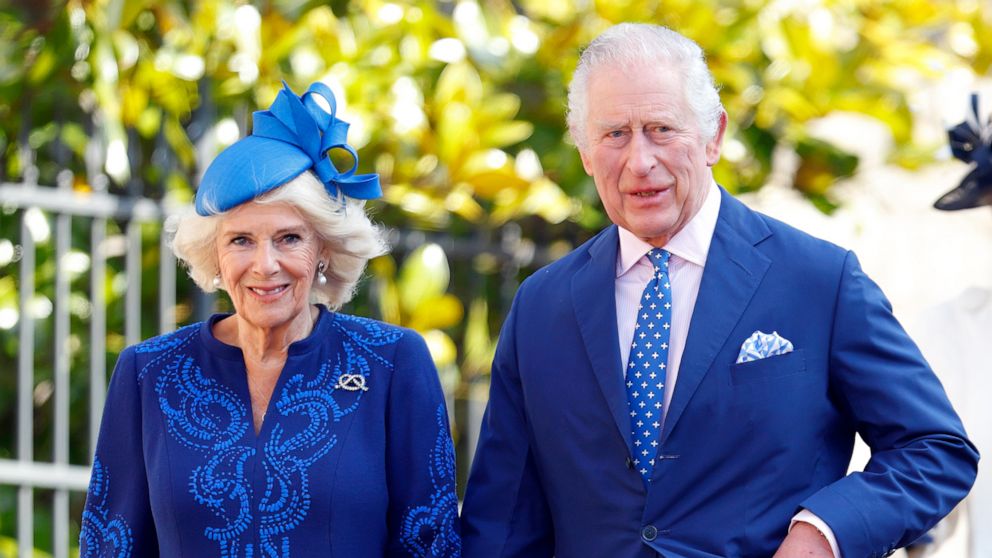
(689, 382)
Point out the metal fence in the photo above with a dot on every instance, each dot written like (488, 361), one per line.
(51, 226)
(38, 208)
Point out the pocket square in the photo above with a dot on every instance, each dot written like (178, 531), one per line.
(763, 345)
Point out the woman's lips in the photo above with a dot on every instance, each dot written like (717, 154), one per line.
(268, 291)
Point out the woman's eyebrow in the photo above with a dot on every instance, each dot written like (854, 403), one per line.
(297, 229)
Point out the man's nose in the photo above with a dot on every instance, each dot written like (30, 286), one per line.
(641, 157)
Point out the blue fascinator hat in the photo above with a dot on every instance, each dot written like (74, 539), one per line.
(293, 136)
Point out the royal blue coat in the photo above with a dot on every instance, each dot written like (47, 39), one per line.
(336, 470)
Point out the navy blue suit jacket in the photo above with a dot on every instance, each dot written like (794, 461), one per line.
(744, 446)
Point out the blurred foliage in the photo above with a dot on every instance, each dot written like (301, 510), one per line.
(417, 298)
(8, 549)
(458, 104)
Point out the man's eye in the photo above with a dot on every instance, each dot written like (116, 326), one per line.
(615, 134)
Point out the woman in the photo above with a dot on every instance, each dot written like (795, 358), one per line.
(285, 428)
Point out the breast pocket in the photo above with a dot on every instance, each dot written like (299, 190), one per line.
(788, 366)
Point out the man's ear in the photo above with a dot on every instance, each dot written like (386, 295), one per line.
(586, 164)
(714, 145)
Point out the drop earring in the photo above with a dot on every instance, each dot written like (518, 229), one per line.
(321, 278)
(217, 281)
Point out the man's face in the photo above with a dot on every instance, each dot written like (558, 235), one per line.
(644, 150)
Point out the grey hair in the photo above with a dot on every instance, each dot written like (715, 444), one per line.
(627, 44)
(345, 233)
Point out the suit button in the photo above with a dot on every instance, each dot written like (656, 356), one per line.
(630, 463)
(649, 533)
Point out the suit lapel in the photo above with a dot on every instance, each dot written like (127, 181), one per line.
(734, 269)
(593, 299)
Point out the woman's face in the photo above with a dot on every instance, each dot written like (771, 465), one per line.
(268, 255)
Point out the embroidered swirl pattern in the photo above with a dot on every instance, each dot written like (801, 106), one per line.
(200, 412)
(429, 530)
(101, 535)
(210, 417)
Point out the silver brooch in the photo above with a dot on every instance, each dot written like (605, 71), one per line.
(351, 382)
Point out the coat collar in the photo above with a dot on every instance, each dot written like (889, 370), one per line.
(596, 315)
(734, 270)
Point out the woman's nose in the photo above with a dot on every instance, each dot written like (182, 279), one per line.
(266, 261)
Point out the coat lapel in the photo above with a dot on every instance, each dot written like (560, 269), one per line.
(593, 288)
(734, 269)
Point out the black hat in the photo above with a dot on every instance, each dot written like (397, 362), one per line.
(971, 142)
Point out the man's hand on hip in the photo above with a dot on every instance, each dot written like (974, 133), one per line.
(804, 541)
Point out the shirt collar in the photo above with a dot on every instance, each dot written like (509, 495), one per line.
(692, 243)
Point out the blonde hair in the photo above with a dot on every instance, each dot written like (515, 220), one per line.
(345, 233)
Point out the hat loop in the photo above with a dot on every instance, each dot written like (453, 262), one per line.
(302, 122)
(293, 136)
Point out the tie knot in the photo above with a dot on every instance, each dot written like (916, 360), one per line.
(659, 259)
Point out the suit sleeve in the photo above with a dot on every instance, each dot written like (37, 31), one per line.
(505, 513)
(921, 462)
(423, 504)
(117, 518)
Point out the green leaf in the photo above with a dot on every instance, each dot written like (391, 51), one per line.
(424, 275)
(509, 133)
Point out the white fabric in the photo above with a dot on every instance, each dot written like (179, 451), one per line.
(955, 338)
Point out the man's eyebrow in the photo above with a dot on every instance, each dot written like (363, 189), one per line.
(608, 124)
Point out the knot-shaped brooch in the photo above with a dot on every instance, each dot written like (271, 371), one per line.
(971, 142)
(351, 382)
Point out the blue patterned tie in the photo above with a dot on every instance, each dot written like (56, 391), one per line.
(648, 362)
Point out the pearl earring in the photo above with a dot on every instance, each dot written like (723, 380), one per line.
(217, 281)
(321, 278)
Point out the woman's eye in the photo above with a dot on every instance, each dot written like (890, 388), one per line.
(239, 241)
(291, 238)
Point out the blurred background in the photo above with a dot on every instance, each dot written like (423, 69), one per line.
(111, 109)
